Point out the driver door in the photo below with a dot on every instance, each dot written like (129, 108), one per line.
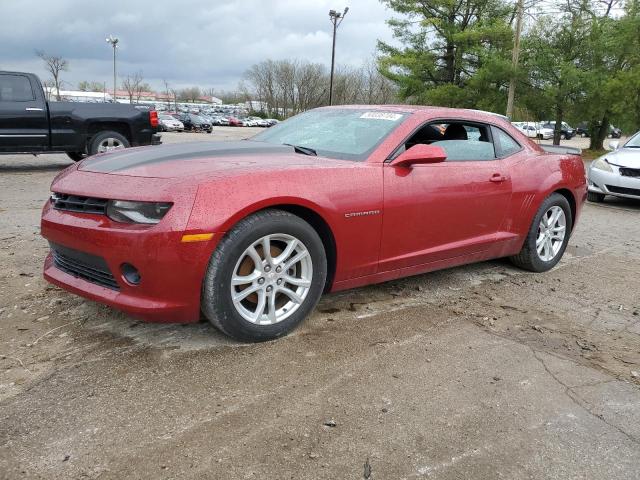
(439, 211)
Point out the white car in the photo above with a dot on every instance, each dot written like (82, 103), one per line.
(170, 124)
(534, 130)
(616, 173)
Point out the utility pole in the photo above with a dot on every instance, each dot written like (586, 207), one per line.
(514, 58)
(336, 19)
(114, 43)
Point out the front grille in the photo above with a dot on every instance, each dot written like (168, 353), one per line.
(75, 203)
(91, 268)
(630, 172)
(624, 190)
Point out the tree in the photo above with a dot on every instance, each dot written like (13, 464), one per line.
(54, 65)
(611, 60)
(551, 53)
(85, 86)
(135, 86)
(450, 51)
(287, 87)
(191, 94)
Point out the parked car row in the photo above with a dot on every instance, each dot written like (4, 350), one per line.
(583, 130)
(534, 130)
(178, 122)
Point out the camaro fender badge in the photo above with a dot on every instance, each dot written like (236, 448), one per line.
(361, 214)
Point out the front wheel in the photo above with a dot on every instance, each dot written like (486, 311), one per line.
(265, 277)
(548, 236)
(595, 197)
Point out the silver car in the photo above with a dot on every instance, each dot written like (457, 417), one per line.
(616, 173)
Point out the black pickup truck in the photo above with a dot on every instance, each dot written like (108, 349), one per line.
(31, 124)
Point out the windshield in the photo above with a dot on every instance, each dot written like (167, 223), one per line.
(634, 142)
(346, 134)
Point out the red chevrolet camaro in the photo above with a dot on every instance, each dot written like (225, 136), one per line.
(251, 233)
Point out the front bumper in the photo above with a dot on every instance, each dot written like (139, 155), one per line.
(613, 183)
(171, 271)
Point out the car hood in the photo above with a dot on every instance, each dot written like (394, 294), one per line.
(624, 157)
(203, 159)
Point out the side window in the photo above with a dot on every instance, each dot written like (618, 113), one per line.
(15, 88)
(505, 145)
(461, 141)
(464, 142)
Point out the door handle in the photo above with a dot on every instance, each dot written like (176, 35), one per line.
(498, 178)
(33, 109)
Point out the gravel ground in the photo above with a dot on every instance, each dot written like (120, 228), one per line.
(481, 371)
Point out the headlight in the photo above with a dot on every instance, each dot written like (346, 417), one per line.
(137, 212)
(602, 164)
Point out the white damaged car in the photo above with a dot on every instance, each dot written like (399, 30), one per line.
(617, 172)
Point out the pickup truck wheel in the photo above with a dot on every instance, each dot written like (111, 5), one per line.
(106, 141)
(76, 156)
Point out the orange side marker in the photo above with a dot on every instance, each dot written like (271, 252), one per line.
(197, 237)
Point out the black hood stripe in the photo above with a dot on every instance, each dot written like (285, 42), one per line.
(120, 160)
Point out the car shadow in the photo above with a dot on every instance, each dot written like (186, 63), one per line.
(6, 168)
(619, 202)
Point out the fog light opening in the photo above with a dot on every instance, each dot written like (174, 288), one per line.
(130, 274)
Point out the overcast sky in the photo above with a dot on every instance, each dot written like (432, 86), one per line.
(209, 43)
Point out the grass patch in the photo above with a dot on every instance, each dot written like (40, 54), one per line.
(592, 154)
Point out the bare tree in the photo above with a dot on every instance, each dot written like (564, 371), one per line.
(86, 86)
(134, 86)
(191, 94)
(48, 87)
(54, 64)
(287, 87)
(167, 92)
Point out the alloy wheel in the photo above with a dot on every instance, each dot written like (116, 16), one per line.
(109, 144)
(271, 279)
(551, 233)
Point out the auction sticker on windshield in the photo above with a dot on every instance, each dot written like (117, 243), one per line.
(392, 117)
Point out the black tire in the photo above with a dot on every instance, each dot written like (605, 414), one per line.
(76, 156)
(595, 197)
(563, 136)
(100, 137)
(217, 304)
(528, 258)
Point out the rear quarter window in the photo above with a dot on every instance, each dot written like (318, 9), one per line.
(504, 143)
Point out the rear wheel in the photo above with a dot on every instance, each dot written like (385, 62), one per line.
(595, 197)
(548, 236)
(265, 276)
(107, 141)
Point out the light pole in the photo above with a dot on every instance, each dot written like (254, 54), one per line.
(336, 19)
(114, 43)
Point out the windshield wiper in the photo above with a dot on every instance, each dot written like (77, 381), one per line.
(303, 150)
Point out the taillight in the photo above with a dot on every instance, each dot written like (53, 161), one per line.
(153, 118)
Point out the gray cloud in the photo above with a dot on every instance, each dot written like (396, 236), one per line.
(188, 42)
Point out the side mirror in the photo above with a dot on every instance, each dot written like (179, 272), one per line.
(420, 154)
(614, 144)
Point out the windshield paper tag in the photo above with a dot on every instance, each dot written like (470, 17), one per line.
(392, 117)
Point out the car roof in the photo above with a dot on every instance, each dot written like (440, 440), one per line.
(433, 110)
